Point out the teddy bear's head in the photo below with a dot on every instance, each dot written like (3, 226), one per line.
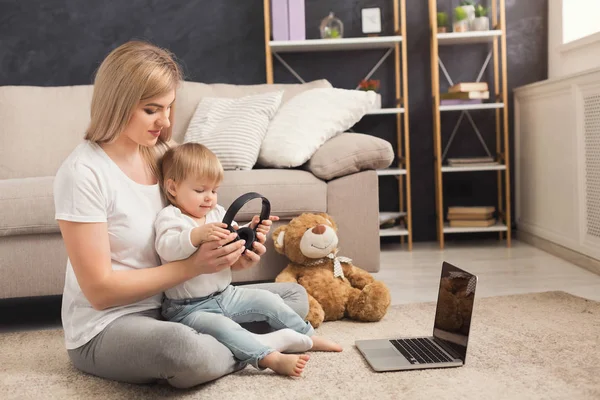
(306, 238)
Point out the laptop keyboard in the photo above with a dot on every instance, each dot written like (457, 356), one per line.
(420, 351)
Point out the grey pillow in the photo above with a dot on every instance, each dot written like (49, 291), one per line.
(348, 153)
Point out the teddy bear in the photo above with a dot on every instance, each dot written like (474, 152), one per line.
(336, 288)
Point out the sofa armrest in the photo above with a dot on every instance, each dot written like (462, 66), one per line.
(348, 153)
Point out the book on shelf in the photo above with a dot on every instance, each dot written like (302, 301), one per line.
(469, 217)
(476, 210)
(456, 102)
(483, 223)
(471, 161)
(469, 87)
(485, 95)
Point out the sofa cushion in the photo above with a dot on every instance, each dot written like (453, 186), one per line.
(27, 206)
(37, 119)
(233, 129)
(189, 95)
(308, 120)
(290, 192)
(349, 153)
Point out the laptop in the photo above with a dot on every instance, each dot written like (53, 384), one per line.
(448, 345)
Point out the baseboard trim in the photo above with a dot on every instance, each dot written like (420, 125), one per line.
(581, 260)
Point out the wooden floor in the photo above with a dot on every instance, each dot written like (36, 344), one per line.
(414, 276)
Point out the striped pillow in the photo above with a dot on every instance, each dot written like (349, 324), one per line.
(233, 128)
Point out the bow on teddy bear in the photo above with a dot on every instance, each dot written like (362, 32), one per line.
(336, 288)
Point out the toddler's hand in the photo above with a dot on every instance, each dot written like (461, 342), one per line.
(264, 227)
(209, 232)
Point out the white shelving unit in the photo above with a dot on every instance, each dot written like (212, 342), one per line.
(383, 111)
(363, 43)
(391, 172)
(495, 42)
(395, 231)
(471, 107)
(474, 168)
(498, 227)
(454, 38)
(396, 45)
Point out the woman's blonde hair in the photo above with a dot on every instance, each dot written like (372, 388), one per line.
(133, 72)
(189, 160)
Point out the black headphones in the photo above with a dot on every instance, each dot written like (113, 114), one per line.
(248, 234)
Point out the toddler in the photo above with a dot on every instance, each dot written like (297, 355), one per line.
(191, 175)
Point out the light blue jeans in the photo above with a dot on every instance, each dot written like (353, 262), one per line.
(221, 314)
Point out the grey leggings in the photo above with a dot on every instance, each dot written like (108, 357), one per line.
(143, 348)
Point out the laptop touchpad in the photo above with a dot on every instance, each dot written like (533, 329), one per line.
(379, 353)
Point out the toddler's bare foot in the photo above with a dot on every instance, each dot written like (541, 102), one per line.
(285, 364)
(322, 344)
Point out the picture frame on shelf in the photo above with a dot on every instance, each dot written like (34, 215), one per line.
(371, 21)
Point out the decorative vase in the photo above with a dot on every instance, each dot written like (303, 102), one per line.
(470, 10)
(481, 24)
(461, 26)
(331, 27)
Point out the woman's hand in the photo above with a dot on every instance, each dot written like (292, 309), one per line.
(216, 255)
(251, 257)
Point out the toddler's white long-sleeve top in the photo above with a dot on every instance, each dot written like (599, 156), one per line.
(173, 242)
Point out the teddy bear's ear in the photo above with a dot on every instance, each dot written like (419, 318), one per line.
(328, 218)
(278, 237)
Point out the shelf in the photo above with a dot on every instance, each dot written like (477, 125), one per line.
(382, 111)
(469, 107)
(391, 171)
(498, 227)
(359, 43)
(395, 231)
(451, 38)
(498, 167)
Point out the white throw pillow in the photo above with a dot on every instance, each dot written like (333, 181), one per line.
(308, 120)
(233, 128)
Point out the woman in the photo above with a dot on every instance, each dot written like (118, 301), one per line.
(106, 197)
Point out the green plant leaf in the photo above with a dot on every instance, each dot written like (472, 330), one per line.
(460, 14)
(480, 11)
(442, 19)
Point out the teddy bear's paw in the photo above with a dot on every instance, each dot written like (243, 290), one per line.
(370, 304)
(315, 317)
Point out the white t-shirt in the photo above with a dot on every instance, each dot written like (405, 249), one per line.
(90, 187)
(173, 242)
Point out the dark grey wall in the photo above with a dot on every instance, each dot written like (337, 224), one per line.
(62, 42)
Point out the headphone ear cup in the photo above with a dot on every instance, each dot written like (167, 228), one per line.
(248, 235)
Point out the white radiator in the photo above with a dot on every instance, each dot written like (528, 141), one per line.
(557, 161)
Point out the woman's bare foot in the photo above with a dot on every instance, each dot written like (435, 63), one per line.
(285, 364)
(322, 344)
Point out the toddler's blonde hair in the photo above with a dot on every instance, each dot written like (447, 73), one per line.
(189, 160)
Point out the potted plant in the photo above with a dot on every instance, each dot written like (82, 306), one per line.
(442, 22)
(373, 85)
(481, 21)
(469, 8)
(461, 22)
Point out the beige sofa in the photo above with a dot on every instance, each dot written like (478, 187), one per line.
(39, 127)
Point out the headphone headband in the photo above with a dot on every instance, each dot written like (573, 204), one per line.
(236, 206)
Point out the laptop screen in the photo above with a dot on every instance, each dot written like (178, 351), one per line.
(454, 308)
